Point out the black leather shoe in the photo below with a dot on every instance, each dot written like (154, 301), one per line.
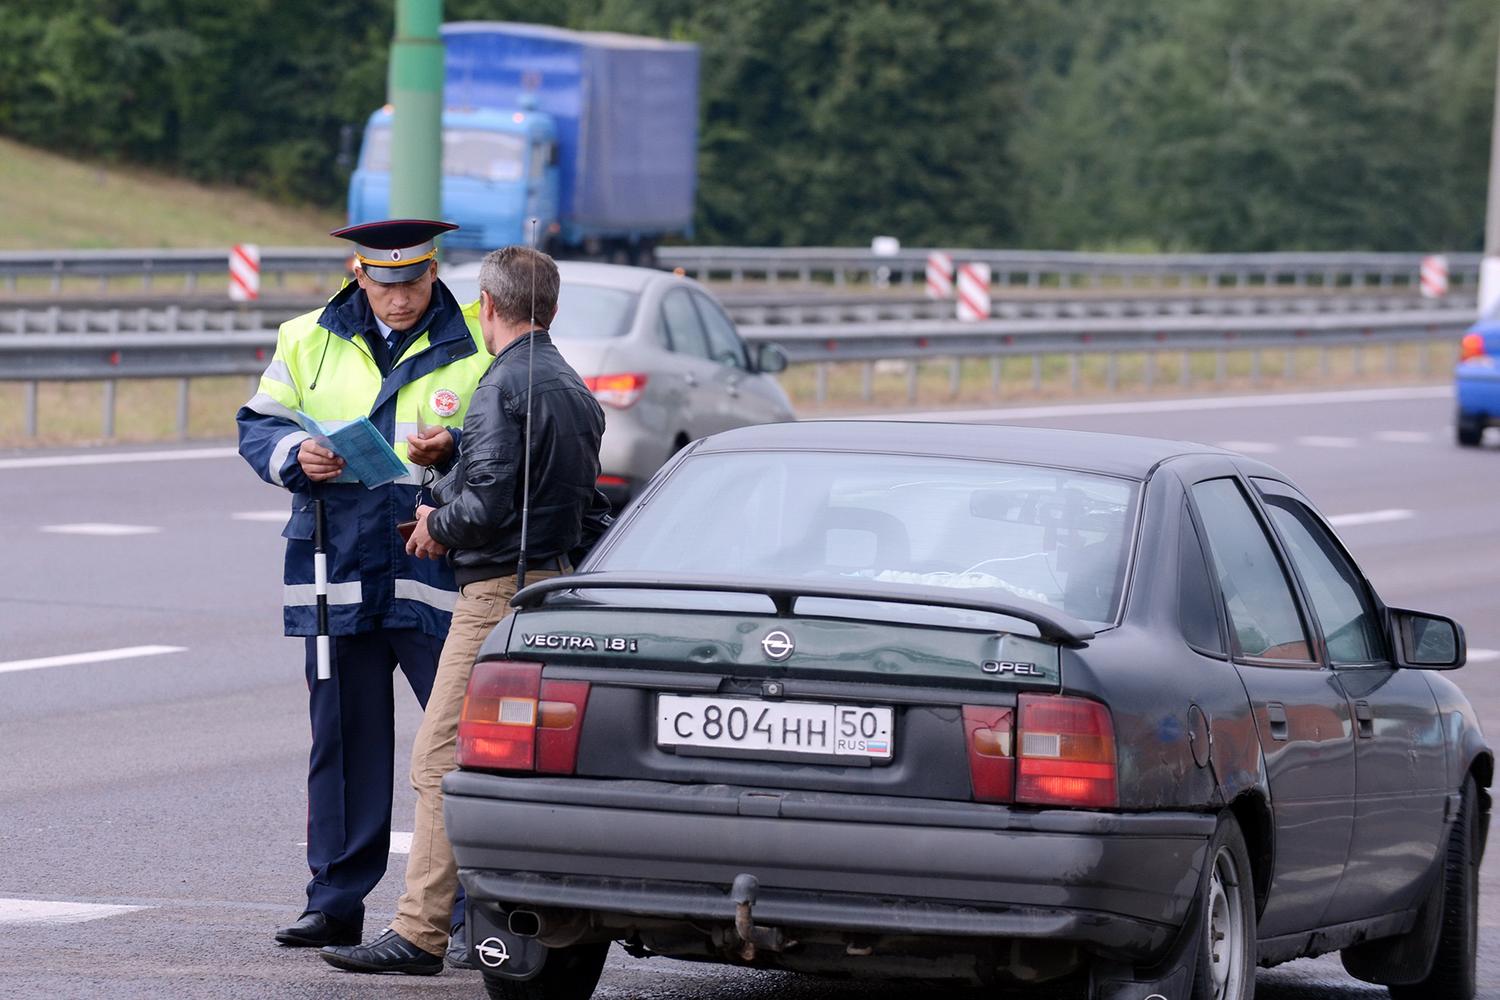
(458, 949)
(314, 930)
(388, 953)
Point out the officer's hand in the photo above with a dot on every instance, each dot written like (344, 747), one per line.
(421, 544)
(430, 446)
(318, 462)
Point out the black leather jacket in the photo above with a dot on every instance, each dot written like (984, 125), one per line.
(479, 501)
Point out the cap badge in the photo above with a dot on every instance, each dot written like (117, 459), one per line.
(444, 402)
(395, 255)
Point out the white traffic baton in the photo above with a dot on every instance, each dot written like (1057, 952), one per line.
(320, 579)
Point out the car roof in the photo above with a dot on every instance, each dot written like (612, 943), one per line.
(1111, 454)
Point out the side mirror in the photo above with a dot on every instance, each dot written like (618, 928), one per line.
(770, 359)
(1427, 642)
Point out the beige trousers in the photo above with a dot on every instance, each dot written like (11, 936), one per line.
(431, 874)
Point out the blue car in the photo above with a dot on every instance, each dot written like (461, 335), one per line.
(1477, 379)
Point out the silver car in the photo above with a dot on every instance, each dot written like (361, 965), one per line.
(661, 355)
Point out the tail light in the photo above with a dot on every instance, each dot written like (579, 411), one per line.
(619, 391)
(1471, 347)
(513, 720)
(1066, 752)
(992, 768)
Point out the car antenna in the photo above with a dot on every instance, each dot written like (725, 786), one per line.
(526, 459)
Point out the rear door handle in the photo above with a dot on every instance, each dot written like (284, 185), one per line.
(1366, 718)
(1276, 715)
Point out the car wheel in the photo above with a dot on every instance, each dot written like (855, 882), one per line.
(1227, 951)
(570, 973)
(1453, 972)
(1469, 429)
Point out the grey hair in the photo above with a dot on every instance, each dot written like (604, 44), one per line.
(518, 277)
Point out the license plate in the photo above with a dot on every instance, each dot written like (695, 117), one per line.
(744, 727)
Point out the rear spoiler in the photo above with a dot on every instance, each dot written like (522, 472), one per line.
(1051, 623)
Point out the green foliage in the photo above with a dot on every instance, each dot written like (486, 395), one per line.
(1174, 124)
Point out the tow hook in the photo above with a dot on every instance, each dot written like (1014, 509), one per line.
(752, 938)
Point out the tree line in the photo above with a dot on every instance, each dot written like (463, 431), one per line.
(1213, 125)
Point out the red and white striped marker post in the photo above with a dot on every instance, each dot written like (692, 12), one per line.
(1434, 276)
(939, 276)
(973, 292)
(244, 272)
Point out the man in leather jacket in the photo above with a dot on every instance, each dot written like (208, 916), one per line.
(477, 525)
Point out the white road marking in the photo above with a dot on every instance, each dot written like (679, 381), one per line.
(1250, 447)
(113, 458)
(260, 515)
(43, 911)
(1327, 441)
(98, 656)
(1177, 405)
(1404, 437)
(1371, 517)
(1483, 655)
(97, 528)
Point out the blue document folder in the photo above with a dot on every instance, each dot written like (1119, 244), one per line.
(368, 456)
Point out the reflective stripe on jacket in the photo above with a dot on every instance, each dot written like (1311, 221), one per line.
(324, 366)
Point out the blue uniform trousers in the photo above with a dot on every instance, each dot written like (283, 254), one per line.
(350, 770)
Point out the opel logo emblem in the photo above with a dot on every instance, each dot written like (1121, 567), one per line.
(492, 952)
(778, 645)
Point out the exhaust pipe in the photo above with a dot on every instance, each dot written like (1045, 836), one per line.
(524, 923)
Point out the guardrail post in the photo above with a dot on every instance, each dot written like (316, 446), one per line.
(1255, 367)
(1323, 360)
(1036, 372)
(1390, 358)
(1112, 370)
(1221, 364)
(1289, 364)
(911, 379)
(182, 408)
(867, 382)
(1149, 372)
(997, 371)
(955, 376)
(1185, 371)
(109, 409)
(31, 409)
(1424, 357)
(1073, 370)
(822, 382)
(1359, 359)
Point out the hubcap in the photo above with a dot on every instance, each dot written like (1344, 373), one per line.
(1225, 928)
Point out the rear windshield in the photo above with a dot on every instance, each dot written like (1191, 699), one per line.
(584, 312)
(1049, 535)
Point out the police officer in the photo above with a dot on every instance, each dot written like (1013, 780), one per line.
(394, 346)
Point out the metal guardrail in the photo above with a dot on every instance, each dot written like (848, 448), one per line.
(761, 309)
(1033, 268)
(111, 356)
(55, 266)
(840, 265)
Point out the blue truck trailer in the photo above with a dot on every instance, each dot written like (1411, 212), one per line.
(593, 134)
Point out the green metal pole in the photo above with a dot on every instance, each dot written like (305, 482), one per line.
(416, 88)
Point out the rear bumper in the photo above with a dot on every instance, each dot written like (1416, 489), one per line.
(1121, 884)
(1477, 387)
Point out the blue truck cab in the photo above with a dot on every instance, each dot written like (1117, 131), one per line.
(499, 170)
(594, 134)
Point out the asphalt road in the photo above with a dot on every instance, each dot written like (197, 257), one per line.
(172, 781)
